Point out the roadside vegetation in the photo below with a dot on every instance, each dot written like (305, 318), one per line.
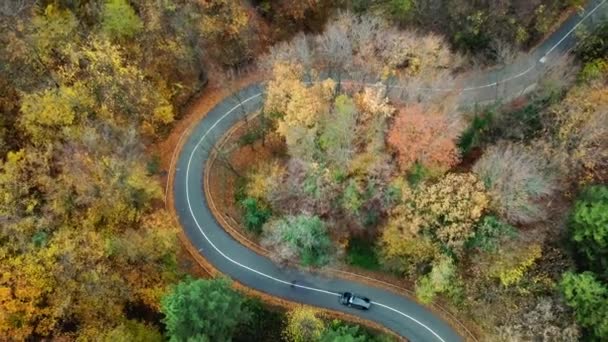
(210, 310)
(490, 210)
(499, 211)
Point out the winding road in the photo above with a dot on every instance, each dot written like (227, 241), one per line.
(397, 313)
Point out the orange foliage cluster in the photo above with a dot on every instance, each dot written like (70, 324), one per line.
(422, 137)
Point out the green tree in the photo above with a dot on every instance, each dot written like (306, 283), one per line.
(440, 279)
(266, 323)
(120, 20)
(351, 199)
(588, 297)
(338, 132)
(302, 235)
(340, 332)
(203, 310)
(589, 228)
(399, 9)
(472, 31)
(255, 215)
(490, 231)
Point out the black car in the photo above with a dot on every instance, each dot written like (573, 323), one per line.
(355, 301)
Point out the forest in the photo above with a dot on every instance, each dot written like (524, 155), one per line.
(498, 211)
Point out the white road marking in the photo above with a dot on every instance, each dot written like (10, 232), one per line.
(542, 60)
(247, 267)
(199, 226)
(501, 81)
(544, 57)
(405, 315)
(574, 28)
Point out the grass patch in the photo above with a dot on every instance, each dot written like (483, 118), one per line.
(361, 253)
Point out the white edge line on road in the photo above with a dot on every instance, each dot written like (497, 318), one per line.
(408, 316)
(252, 269)
(321, 290)
(542, 60)
(574, 28)
(199, 226)
(543, 56)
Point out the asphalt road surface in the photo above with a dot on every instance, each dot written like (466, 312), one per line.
(400, 314)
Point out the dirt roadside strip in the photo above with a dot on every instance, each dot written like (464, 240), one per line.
(229, 224)
(197, 111)
(169, 148)
(275, 301)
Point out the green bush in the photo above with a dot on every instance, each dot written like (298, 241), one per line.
(474, 135)
(399, 10)
(255, 214)
(588, 297)
(351, 198)
(417, 174)
(442, 278)
(490, 231)
(589, 228)
(240, 192)
(471, 34)
(303, 236)
(594, 70)
(250, 137)
(593, 45)
(153, 165)
(339, 331)
(393, 193)
(119, 20)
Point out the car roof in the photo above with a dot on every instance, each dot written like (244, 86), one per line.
(359, 301)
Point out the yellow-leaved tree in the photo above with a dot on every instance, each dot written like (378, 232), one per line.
(27, 285)
(298, 106)
(440, 214)
(303, 325)
(51, 29)
(582, 131)
(451, 207)
(47, 114)
(225, 25)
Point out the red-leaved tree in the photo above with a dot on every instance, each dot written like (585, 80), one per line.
(423, 137)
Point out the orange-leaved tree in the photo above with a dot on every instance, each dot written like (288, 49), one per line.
(423, 137)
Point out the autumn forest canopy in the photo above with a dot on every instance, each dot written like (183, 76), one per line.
(496, 210)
